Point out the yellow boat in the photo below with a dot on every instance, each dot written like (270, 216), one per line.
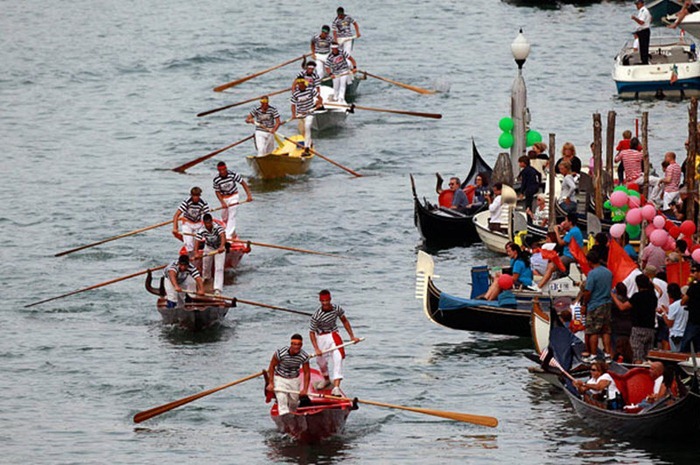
(287, 159)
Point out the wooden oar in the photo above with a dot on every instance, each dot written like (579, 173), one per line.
(258, 304)
(196, 161)
(385, 110)
(354, 173)
(283, 247)
(420, 90)
(228, 85)
(215, 110)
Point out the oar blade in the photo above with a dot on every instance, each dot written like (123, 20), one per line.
(457, 416)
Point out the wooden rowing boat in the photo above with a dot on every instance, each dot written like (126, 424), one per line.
(329, 117)
(288, 159)
(318, 419)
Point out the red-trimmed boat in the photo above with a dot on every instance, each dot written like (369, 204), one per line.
(315, 420)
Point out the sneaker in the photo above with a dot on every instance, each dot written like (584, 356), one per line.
(217, 292)
(588, 359)
(336, 392)
(608, 358)
(534, 287)
(322, 384)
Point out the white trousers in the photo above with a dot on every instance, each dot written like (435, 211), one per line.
(305, 124)
(264, 142)
(287, 402)
(229, 214)
(346, 46)
(321, 65)
(339, 85)
(669, 198)
(179, 297)
(325, 342)
(190, 228)
(217, 263)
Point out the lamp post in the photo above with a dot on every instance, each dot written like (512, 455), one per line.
(518, 101)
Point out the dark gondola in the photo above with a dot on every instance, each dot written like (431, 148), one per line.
(444, 228)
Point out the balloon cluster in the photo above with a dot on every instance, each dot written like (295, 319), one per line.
(506, 139)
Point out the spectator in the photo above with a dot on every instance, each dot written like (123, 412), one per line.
(642, 306)
(675, 316)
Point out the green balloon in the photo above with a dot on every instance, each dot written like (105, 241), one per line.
(618, 216)
(620, 188)
(506, 124)
(607, 205)
(533, 137)
(634, 193)
(634, 231)
(506, 140)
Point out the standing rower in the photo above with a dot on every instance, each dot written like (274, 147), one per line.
(226, 189)
(321, 47)
(181, 273)
(210, 238)
(266, 119)
(337, 67)
(191, 210)
(305, 99)
(284, 375)
(310, 75)
(324, 335)
(342, 30)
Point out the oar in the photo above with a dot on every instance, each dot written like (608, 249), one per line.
(196, 161)
(215, 110)
(283, 247)
(420, 90)
(385, 110)
(228, 85)
(457, 416)
(258, 304)
(354, 173)
(155, 411)
(342, 40)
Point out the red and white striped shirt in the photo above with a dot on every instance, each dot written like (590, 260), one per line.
(673, 172)
(632, 162)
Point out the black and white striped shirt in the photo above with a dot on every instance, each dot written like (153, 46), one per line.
(181, 275)
(338, 63)
(312, 80)
(321, 45)
(211, 238)
(304, 100)
(326, 321)
(343, 27)
(194, 211)
(227, 185)
(288, 365)
(265, 118)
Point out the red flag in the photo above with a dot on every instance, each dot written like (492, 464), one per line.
(553, 257)
(678, 273)
(579, 255)
(619, 263)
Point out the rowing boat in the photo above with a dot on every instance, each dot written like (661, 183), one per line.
(288, 159)
(328, 117)
(512, 221)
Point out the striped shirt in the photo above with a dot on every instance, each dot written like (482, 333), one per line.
(312, 80)
(194, 211)
(211, 238)
(338, 63)
(343, 27)
(227, 185)
(673, 172)
(181, 275)
(304, 100)
(326, 321)
(265, 118)
(288, 365)
(632, 162)
(321, 45)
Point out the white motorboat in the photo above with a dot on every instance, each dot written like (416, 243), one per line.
(673, 69)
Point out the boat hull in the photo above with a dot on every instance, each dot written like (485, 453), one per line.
(288, 159)
(194, 316)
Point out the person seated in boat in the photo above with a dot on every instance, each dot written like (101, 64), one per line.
(337, 67)
(567, 195)
(308, 74)
(266, 119)
(320, 48)
(663, 380)
(540, 217)
(178, 275)
(539, 160)
(530, 180)
(479, 191)
(324, 335)
(521, 273)
(459, 198)
(495, 207)
(564, 234)
(601, 248)
(188, 217)
(212, 238)
(342, 30)
(283, 373)
(568, 153)
(600, 390)
(305, 99)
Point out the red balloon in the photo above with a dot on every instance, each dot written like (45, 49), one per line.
(633, 186)
(669, 224)
(505, 282)
(675, 231)
(688, 228)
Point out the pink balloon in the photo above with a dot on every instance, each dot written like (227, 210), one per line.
(649, 229)
(648, 212)
(659, 222)
(659, 237)
(618, 199)
(696, 255)
(670, 244)
(634, 216)
(633, 201)
(617, 230)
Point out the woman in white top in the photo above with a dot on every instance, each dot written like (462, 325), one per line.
(495, 207)
(601, 387)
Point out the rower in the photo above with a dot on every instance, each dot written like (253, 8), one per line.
(310, 75)
(226, 190)
(284, 375)
(210, 238)
(267, 120)
(342, 30)
(324, 335)
(321, 47)
(305, 99)
(337, 67)
(190, 213)
(178, 274)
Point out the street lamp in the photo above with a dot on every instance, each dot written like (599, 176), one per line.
(518, 101)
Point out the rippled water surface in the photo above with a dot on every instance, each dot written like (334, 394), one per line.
(99, 101)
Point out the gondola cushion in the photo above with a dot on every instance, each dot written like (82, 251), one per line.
(635, 385)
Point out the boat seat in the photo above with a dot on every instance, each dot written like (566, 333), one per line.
(635, 385)
(678, 55)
